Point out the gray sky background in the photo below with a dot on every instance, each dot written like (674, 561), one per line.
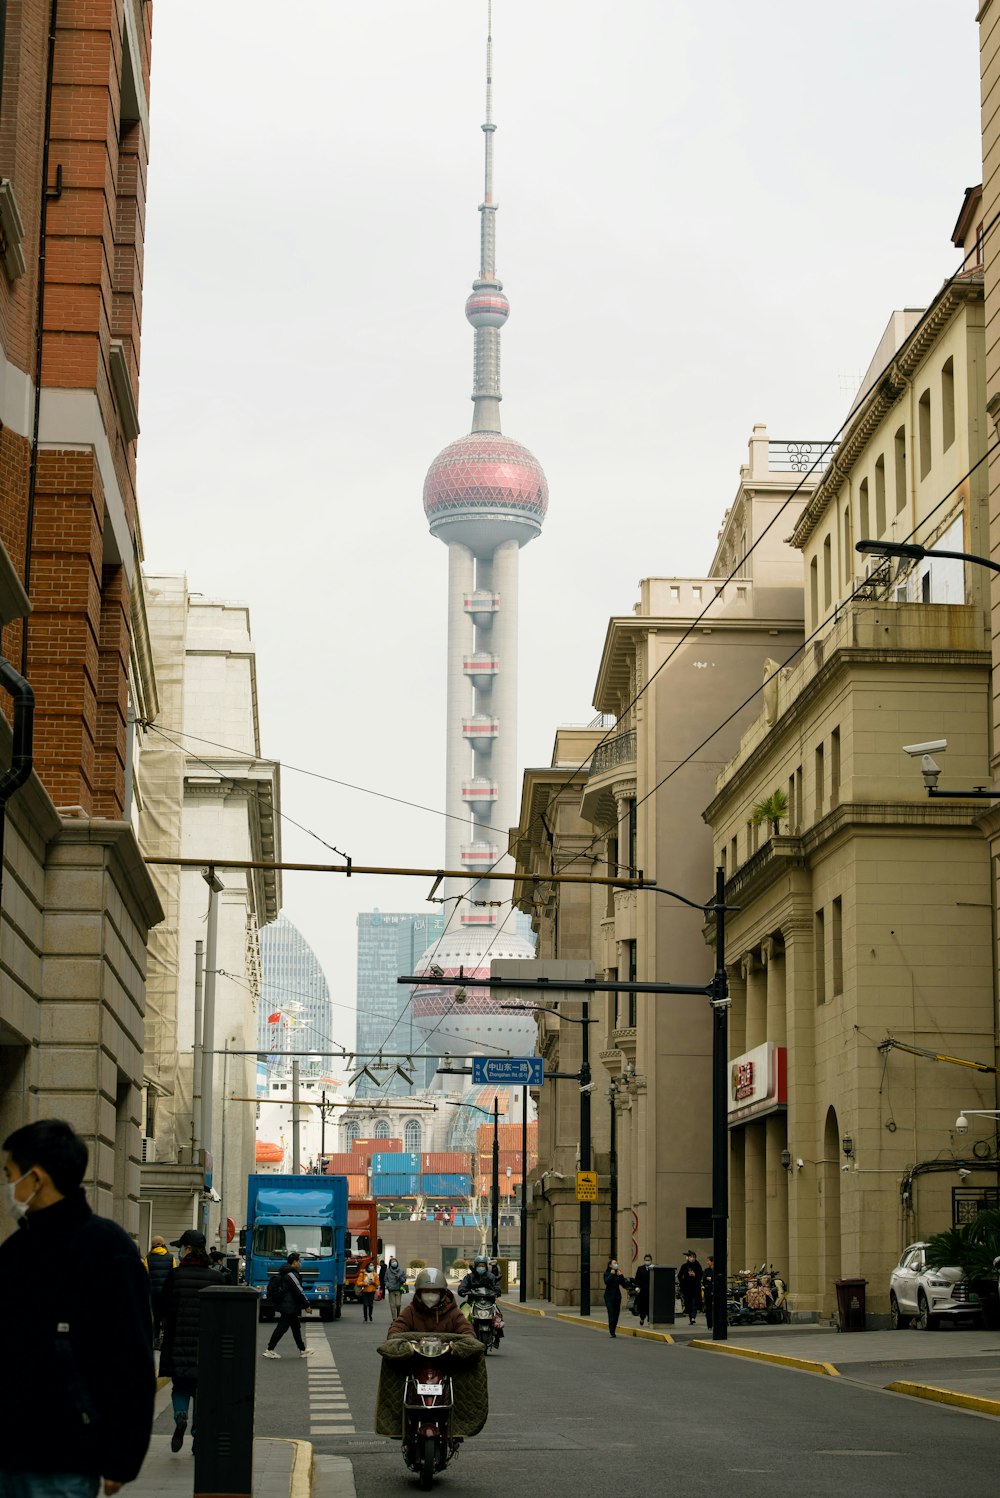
(707, 213)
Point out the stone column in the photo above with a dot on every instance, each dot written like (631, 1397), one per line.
(804, 1130)
(737, 1200)
(756, 1193)
(756, 990)
(775, 1126)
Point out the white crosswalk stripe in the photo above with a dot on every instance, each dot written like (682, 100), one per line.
(329, 1411)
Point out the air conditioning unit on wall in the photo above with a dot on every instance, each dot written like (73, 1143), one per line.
(148, 1150)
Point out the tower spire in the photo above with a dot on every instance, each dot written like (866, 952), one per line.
(487, 309)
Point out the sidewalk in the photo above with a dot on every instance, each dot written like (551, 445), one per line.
(281, 1469)
(959, 1366)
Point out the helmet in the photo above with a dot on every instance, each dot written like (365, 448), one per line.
(480, 1262)
(429, 1279)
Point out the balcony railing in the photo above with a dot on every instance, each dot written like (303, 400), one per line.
(614, 752)
(790, 456)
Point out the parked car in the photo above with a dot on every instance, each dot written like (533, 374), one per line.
(925, 1296)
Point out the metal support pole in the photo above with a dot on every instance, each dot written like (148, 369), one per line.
(720, 1118)
(495, 1193)
(296, 1160)
(613, 1174)
(522, 1294)
(585, 1163)
(322, 1131)
(215, 885)
(196, 1143)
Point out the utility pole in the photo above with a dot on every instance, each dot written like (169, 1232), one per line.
(196, 1142)
(720, 1117)
(215, 887)
(613, 1172)
(523, 1278)
(495, 1203)
(585, 1162)
(296, 1153)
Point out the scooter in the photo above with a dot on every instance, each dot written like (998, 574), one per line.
(428, 1400)
(486, 1317)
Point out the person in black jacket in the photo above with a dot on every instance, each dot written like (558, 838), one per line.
(689, 1284)
(708, 1289)
(613, 1282)
(290, 1301)
(77, 1381)
(159, 1262)
(181, 1326)
(642, 1289)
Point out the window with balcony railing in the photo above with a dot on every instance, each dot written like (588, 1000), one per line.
(613, 752)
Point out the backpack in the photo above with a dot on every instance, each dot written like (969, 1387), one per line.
(274, 1290)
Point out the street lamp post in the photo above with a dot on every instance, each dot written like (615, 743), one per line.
(613, 1171)
(495, 1183)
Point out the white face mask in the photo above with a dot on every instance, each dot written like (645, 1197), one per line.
(430, 1298)
(15, 1207)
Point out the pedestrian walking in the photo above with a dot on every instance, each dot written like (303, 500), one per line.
(368, 1287)
(290, 1301)
(614, 1280)
(77, 1381)
(181, 1328)
(159, 1262)
(642, 1289)
(395, 1284)
(689, 1280)
(707, 1289)
(217, 1260)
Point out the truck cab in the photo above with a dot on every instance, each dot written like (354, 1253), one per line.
(304, 1213)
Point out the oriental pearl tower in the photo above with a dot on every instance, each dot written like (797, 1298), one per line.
(485, 497)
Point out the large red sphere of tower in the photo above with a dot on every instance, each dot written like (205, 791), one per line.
(484, 489)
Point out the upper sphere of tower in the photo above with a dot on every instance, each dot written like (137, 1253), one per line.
(487, 309)
(483, 489)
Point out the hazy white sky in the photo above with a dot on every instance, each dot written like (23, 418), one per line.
(707, 213)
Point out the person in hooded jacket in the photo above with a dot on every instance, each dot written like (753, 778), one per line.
(77, 1381)
(432, 1309)
(395, 1284)
(290, 1301)
(181, 1327)
(482, 1276)
(159, 1262)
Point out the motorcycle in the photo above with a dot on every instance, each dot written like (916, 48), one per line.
(484, 1313)
(428, 1401)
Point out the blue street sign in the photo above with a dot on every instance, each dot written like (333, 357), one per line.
(507, 1071)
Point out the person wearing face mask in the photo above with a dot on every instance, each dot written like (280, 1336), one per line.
(182, 1327)
(432, 1309)
(77, 1385)
(614, 1280)
(642, 1289)
(395, 1284)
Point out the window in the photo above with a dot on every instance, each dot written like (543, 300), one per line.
(837, 943)
(814, 591)
(835, 762)
(848, 545)
(880, 496)
(734, 854)
(352, 1131)
(631, 831)
(381, 1130)
(900, 445)
(924, 432)
(820, 777)
(980, 241)
(412, 1136)
(948, 404)
(751, 839)
(698, 1222)
(675, 593)
(792, 805)
(612, 855)
(827, 573)
(864, 517)
(631, 974)
(799, 804)
(820, 946)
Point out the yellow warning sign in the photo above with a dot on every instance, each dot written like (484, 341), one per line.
(586, 1185)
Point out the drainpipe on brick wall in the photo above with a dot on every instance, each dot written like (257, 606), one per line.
(22, 734)
(43, 216)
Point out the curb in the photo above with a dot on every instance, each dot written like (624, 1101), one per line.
(623, 1331)
(804, 1365)
(300, 1479)
(946, 1396)
(515, 1305)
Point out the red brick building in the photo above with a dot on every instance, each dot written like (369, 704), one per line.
(77, 902)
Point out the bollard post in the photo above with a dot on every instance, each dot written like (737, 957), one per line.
(227, 1364)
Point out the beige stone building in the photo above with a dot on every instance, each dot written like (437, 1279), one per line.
(692, 650)
(865, 915)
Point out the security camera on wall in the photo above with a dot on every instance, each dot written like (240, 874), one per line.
(932, 746)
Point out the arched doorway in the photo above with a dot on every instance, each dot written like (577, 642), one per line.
(830, 1207)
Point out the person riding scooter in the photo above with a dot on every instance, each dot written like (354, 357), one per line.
(432, 1309)
(482, 1276)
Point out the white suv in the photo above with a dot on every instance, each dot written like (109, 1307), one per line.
(922, 1295)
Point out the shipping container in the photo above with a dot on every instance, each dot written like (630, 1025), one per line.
(393, 1161)
(341, 1164)
(447, 1162)
(390, 1186)
(357, 1186)
(441, 1186)
(508, 1137)
(511, 1158)
(368, 1147)
(508, 1187)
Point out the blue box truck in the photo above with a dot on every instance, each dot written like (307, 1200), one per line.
(307, 1213)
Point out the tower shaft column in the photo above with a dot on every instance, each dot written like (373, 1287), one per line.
(505, 811)
(458, 761)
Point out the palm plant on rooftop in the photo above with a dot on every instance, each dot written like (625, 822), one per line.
(771, 809)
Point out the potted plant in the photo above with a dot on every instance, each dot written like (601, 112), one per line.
(974, 1248)
(771, 809)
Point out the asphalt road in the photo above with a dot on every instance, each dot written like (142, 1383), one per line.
(571, 1413)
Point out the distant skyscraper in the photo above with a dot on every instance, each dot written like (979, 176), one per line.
(485, 497)
(389, 946)
(295, 1010)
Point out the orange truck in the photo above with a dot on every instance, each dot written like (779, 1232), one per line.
(363, 1246)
